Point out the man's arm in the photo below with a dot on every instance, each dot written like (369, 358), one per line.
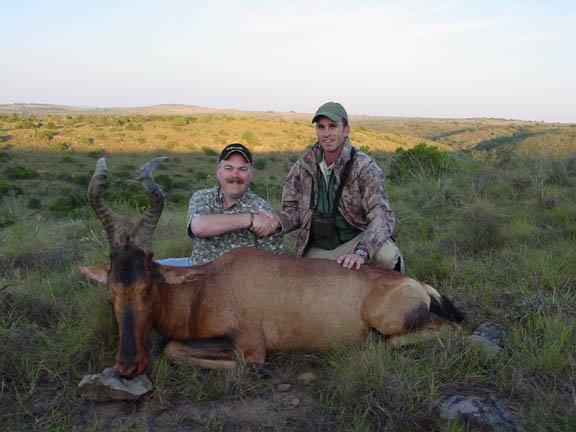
(210, 225)
(206, 220)
(381, 219)
(289, 218)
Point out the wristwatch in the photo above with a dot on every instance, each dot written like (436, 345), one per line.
(362, 253)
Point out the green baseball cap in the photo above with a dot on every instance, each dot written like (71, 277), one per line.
(333, 110)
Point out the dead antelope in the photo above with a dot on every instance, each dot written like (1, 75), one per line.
(247, 301)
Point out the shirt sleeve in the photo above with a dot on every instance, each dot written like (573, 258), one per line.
(291, 198)
(199, 204)
(380, 216)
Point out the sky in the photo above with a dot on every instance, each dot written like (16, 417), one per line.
(437, 59)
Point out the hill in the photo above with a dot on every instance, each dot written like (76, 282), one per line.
(48, 151)
(380, 133)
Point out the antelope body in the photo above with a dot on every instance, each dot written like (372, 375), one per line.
(247, 301)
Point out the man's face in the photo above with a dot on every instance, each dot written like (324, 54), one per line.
(234, 175)
(331, 135)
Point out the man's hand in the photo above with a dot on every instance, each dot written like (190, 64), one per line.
(264, 223)
(351, 261)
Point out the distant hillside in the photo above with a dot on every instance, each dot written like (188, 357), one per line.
(294, 130)
(42, 110)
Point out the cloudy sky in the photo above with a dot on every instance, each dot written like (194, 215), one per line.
(483, 58)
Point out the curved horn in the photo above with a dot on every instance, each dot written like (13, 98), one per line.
(144, 230)
(108, 218)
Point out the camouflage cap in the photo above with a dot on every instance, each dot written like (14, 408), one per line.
(333, 110)
(235, 148)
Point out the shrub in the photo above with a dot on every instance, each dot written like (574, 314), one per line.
(366, 149)
(129, 193)
(250, 138)
(69, 203)
(134, 127)
(478, 228)
(179, 200)
(96, 153)
(4, 157)
(209, 151)
(7, 188)
(47, 134)
(34, 204)
(25, 124)
(61, 146)
(260, 164)
(161, 137)
(81, 179)
(87, 140)
(18, 172)
(421, 160)
(166, 182)
(201, 176)
(180, 121)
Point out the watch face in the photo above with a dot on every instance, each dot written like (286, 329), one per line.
(361, 253)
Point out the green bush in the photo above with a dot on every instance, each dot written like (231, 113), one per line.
(166, 182)
(179, 200)
(81, 179)
(18, 172)
(209, 151)
(96, 153)
(129, 193)
(9, 189)
(34, 204)
(201, 176)
(61, 146)
(25, 124)
(366, 149)
(47, 134)
(134, 127)
(4, 157)
(69, 203)
(250, 138)
(260, 164)
(422, 159)
(180, 121)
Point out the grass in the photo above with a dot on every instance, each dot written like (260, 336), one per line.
(497, 236)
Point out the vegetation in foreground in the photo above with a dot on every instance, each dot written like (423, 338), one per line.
(494, 230)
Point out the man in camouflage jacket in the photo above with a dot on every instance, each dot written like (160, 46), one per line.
(366, 218)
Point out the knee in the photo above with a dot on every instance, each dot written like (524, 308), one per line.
(389, 256)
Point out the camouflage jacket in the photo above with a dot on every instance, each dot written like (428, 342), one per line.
(210, 201)
(363, 203)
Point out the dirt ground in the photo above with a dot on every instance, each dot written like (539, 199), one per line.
(278, 410)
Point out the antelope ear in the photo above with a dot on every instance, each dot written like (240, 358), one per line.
(98, 274)
(179, 275)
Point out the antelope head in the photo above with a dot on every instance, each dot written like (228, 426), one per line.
(129, 277)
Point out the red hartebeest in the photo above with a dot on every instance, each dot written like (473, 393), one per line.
(247, 301)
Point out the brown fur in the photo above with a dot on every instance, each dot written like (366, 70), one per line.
(261, 301)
